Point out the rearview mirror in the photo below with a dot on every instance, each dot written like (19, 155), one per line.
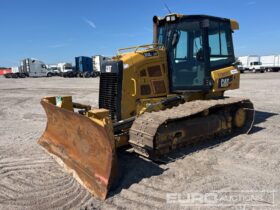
(175, 39)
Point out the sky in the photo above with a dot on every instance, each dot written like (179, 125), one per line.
(59, 30)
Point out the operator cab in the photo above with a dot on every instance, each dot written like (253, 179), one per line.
(196, 45)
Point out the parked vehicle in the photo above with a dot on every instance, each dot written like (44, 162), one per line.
(30, 68)
(65, 69)
(16, 72)
(271, 62)
(250, 63)
(97, 62)
(84, 67)
(35, 68)
(54, 69)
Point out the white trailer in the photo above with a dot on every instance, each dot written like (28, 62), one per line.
(250, 63)
(15, 69)
(97, 62)
(271, 62)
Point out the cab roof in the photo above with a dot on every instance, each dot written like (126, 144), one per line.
(234, 23)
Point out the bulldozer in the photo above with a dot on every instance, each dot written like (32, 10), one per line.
(153, 98)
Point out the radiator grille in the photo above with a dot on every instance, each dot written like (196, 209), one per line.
(108, 93)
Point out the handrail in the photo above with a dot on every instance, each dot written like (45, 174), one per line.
(154, 45)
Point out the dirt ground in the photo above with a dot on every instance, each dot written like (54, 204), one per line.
(243, 165)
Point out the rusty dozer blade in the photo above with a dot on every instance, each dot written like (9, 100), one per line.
(84, 146)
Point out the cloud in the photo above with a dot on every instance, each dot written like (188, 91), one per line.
(90, 23)
(251, 3)
(57, 45)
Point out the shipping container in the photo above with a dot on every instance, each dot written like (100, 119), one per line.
(5, 71)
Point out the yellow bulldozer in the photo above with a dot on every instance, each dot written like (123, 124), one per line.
(155, 98)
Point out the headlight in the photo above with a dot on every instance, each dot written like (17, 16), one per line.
(171, 18)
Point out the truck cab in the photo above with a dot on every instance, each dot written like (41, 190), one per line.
(256, 67)
(35, 68)
(65, 69)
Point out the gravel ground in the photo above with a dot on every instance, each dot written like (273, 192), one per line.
(240, 168)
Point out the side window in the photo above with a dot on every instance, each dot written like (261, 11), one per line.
(181, 50)
(220, 42)
(161, 32)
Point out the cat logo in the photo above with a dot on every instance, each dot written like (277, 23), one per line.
(225, 82)
(108, 69)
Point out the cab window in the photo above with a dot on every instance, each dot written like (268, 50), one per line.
(220, 43)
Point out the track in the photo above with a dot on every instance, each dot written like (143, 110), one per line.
(149, 131)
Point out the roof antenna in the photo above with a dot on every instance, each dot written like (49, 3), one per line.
(166, 6)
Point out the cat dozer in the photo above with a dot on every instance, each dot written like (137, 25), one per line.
(155, 98)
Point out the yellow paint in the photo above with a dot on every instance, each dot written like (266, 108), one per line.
(132, 82)
(225, 73)
(234, 25)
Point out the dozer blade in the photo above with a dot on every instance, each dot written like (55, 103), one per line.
(83, 146)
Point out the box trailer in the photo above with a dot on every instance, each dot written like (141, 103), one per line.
(250, 63)
(271, 62)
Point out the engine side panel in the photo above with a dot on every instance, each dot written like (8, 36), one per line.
(145, 75)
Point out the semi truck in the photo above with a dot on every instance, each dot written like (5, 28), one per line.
(271, 62)
(35, 68)
(250, 63)
(97, 61)
(54, 69)
(84, 67)
(30, 67)
(61, 69)
(65, 69)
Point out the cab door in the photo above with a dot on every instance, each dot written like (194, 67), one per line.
(186, 57)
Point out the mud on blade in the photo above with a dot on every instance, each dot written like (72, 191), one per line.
(83, 146)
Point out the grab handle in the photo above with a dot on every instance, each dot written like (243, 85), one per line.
(135, 87)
